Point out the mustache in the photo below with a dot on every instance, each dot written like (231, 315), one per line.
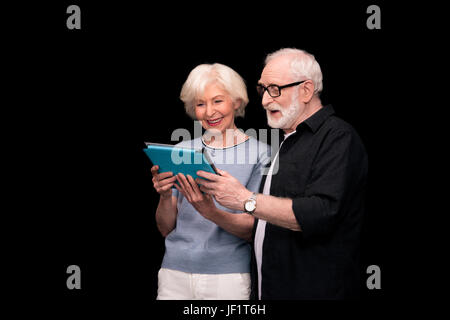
(273, 107)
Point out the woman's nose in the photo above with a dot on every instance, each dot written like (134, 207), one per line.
(209, 109)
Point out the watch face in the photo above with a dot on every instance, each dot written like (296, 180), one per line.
(250, 206)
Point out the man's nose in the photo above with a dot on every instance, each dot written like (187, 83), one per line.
(266, 99)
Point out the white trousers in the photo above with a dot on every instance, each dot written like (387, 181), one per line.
(178, 285)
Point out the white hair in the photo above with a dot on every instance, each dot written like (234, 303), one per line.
(205, 74)
(303, 66)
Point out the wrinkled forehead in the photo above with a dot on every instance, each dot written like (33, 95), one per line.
(277, 71)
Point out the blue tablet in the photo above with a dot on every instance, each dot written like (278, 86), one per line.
(179, 159)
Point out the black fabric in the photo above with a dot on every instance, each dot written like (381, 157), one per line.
(323, 168)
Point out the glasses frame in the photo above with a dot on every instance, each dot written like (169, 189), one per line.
(259, 85)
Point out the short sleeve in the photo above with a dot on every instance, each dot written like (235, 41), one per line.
(338, 174)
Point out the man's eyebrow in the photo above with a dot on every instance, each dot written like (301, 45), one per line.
(270, 84)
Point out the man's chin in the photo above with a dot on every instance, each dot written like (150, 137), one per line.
(274, 123)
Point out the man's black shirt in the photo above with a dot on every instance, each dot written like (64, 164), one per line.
(323, 168)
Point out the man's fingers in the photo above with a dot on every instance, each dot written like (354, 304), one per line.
(222, 172)
(207, 190)
(204, 182)
(208, 175)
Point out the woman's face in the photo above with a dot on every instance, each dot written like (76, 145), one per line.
(215, 108)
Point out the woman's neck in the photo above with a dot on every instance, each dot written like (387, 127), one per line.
(227, 138)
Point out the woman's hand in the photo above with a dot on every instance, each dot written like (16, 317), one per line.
(203, 203)
(163, 182)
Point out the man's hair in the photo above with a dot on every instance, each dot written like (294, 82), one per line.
(303, 66)
(205, 74)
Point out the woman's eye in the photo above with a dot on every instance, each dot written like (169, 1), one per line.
(218, 101)
(200, 104)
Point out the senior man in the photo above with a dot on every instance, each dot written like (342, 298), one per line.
(309, 214)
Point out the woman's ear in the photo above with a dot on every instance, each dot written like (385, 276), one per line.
(237, 103)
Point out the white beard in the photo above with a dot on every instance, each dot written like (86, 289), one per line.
(288, 117)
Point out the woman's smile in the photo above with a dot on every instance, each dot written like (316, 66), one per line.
(214, 122)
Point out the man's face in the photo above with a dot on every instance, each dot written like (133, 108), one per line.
(283, 111)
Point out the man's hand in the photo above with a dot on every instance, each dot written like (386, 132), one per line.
(226, 189)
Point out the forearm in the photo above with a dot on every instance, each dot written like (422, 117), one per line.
(166, 214)
(240, 225)
(277, 211)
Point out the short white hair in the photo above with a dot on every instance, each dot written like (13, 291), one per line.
(204, 74)
(303, 65)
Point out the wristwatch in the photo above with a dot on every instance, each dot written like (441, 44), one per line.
(250, 204)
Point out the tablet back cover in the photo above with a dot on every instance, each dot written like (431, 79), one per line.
(178, 160)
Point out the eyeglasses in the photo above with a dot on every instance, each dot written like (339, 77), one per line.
(273, 89)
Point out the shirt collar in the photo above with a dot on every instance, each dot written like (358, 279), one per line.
(288, 134)
(317, 119)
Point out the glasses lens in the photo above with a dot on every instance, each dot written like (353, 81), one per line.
(260, 89)
(274, 91)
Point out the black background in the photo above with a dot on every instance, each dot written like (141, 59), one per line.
(86, 100)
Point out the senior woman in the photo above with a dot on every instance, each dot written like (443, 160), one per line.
(207, 252)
